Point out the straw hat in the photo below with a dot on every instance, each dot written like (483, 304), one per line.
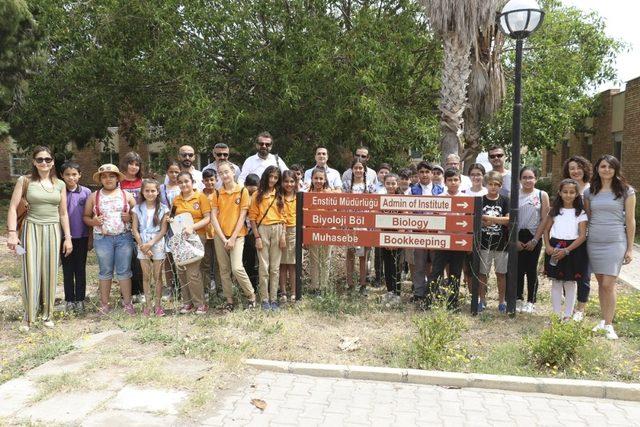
(107, 168)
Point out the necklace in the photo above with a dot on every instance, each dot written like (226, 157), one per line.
(45, 189)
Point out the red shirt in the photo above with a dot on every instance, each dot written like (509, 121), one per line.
(132, 187)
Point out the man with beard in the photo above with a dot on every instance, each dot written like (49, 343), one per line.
(333, 176)
(186, 158)
(497, 158)
(221, 154)
(262, 159)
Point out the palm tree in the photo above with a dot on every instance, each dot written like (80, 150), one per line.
(458, 23)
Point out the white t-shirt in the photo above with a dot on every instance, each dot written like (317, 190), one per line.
(197, 179)
(256, 164)
(214, 166)
(470, 192)
(566, 225)
(465, 183)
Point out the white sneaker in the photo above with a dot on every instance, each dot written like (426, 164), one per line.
(599, 326)
(24, 328)
(50, 324)
(519, 305)
(611, 334)
(212, 285)
(578, 316)
(528, 308)
(142, 299)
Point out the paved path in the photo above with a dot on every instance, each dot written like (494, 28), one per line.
(309, 401)
(630, 274)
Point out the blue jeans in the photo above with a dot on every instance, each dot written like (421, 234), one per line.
(114, 253)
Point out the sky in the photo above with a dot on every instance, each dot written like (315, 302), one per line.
(621, 18)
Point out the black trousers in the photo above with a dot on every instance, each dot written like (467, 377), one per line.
(390, 258)
(528, 266)
(455, 261)
(249, 259)
(378, 265)
(74, 271)
(136, 271)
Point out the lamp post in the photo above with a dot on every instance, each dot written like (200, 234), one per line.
(518, 19)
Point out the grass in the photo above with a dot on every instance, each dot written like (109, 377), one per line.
(62, 383)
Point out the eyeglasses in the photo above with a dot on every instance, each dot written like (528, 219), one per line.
(185, 155)
(46, 160)
(362, 156)
(496, 156)
(264, 144)
(222, 154)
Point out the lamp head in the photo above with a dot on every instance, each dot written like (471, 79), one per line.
(520, 18)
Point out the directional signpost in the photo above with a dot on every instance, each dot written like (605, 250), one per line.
(395, 221)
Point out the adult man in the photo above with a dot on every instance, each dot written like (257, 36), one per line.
(362, 153)
(221, 154)
(453, 161)
(496, 158)
(262, 159)
(333, 176)
(186, 157)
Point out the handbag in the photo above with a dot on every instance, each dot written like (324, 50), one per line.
(186, 249)
(23, 206)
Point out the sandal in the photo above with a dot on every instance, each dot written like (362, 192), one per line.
(228, 307)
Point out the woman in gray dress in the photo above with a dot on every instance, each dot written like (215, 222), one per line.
(610, 203)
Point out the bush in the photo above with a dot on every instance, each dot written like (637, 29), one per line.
(545, 184)
(334, 304)
(435, 347)
(558, 346)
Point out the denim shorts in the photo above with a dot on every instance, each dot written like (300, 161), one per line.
(114, 254)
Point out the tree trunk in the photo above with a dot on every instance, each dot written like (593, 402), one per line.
(455, 74)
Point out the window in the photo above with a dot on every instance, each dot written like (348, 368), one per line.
(20, 164)
(109, 156)
(617, 145)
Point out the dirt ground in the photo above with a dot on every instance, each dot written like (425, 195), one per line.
(310, 331)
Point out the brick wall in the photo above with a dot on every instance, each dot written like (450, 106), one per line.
(631, 133)
(602, 138)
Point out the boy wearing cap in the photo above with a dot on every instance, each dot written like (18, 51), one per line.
(108, 212)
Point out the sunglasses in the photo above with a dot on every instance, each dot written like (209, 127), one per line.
(264, 144)
(46, 160)
(222, 154)
(496, 156)
(185, 155)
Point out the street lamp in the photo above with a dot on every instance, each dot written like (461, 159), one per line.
(518, 19)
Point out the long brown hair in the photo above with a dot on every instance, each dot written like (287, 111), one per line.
(35, 176)
(263, 186)
(619, 185)
(141, 199)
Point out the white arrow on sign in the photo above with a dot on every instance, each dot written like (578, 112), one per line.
(463, 205)
(463, 223)
(461, 242)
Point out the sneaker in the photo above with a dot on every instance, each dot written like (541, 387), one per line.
(135, 299)
(481, 306)
(363, 291)
(71, 306)
(502, 308)
(228, 307)
(166, 293)
(24, 328)
(128, 308)
(49, 324)
(142, 299)
(528, 308)
(519, 305)
(80, 307)
(186, 309)
(610, 333)
(599, 326)
(202, 309)
(283, 299)
(252, 305)
(104, 310)
(578, 316)
(159, 312)
(265, 305)
(146, 312)
(274, 306)
(212, 285)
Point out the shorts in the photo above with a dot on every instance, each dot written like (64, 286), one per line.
(158, 252)
(289, 253)
(114, 254)
(500, 259)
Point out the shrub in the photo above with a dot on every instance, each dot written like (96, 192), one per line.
(558, 346)
(435, 346)
(334, 304)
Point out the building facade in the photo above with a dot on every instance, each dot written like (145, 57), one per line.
(614, 130)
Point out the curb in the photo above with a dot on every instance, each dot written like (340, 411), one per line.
(580, 388)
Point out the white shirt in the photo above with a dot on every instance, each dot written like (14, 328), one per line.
(470, 192)
(372, 177)
(565, 226)
(256, 164)
(197, 179)
(333, 176)
(465, 182)
(427, 190)
(214, 166)
(382, 190)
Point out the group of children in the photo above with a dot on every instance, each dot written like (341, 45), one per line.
(128, 221)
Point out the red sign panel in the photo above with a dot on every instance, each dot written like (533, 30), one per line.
(334, 237)
(395, 203)
(332, 219)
